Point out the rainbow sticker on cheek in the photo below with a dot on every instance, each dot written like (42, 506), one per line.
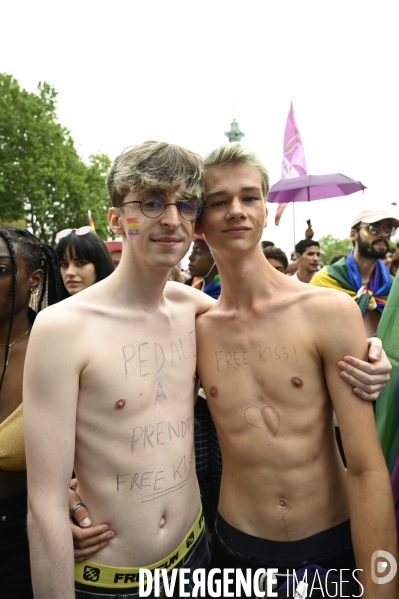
(133, 226)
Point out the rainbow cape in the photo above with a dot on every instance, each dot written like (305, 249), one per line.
(344, 275)
(387, 408)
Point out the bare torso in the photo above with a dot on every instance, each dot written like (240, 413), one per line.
(283, 478)
(134, 453)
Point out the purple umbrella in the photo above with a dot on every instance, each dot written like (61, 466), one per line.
(313, 187)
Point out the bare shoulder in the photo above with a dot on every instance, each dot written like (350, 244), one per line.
(338, 325)
(61, 316)
(332, 303)
(60, 326)
(177, 292)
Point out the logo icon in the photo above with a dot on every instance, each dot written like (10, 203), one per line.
(91, 574)
(382, 566)
(190, 540)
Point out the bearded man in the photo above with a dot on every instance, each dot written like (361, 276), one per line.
(362, 274)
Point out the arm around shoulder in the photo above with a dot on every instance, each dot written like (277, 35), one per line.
(200, 301)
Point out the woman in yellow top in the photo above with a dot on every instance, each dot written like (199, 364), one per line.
(29, 277)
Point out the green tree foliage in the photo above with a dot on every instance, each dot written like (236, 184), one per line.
(330, 246)
(42, 178)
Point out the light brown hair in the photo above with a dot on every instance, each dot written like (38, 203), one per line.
(156, 167)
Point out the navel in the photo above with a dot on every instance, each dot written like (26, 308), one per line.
(162, 522)
(282, 503)
(213, 392)
(296, 382)
(120, 404)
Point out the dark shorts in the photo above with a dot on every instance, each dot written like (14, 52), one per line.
(330, 549)
(197, 557)
(15, 579)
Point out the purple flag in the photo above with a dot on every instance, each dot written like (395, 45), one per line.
(293, 163)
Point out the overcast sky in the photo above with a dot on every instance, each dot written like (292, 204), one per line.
(126, 72)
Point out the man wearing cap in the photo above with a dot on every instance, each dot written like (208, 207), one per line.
(362, 274)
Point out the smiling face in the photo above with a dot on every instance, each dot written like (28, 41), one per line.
(77, 274)
(159, 242)
(235, 213)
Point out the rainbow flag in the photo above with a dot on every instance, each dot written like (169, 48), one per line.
(91, 221)
(387, 407)
(133, 226)
(344, 275)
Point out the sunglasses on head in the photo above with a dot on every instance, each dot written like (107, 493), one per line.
(81, 231)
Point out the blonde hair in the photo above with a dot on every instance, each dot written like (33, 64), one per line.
(158, 167)
(234, 153)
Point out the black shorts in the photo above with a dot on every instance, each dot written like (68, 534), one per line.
(330, 549)
(15, 579)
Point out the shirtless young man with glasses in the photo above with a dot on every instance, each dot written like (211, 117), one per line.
(109, 393)
(109, 386)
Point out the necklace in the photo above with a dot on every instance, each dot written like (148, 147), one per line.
(9, 345)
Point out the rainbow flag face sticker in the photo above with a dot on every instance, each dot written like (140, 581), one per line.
(133, 226)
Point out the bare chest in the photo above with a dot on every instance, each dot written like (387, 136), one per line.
(138, 368)
(262, 363)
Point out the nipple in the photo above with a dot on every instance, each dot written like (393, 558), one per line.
(120, 404)
(213, 392)
(296, 382)
(162, 522)
(194, 376)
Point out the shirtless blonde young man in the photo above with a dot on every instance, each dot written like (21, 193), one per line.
(109, 392)
(267, 355)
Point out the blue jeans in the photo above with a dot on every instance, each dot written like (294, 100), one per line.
(198, 557)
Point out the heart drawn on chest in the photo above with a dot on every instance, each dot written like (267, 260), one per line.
(266, 419)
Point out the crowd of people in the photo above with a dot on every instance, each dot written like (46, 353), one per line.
(254, 475)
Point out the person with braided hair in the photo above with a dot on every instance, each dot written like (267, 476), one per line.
(29, 277)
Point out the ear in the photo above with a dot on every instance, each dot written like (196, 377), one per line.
(353, 235)
(266, 215)
(297, 256)
(35, 278)
(115, 222)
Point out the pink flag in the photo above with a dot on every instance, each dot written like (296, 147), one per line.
(294, 163)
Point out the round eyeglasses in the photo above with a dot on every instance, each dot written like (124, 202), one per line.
(152, 207)
(376, 229)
